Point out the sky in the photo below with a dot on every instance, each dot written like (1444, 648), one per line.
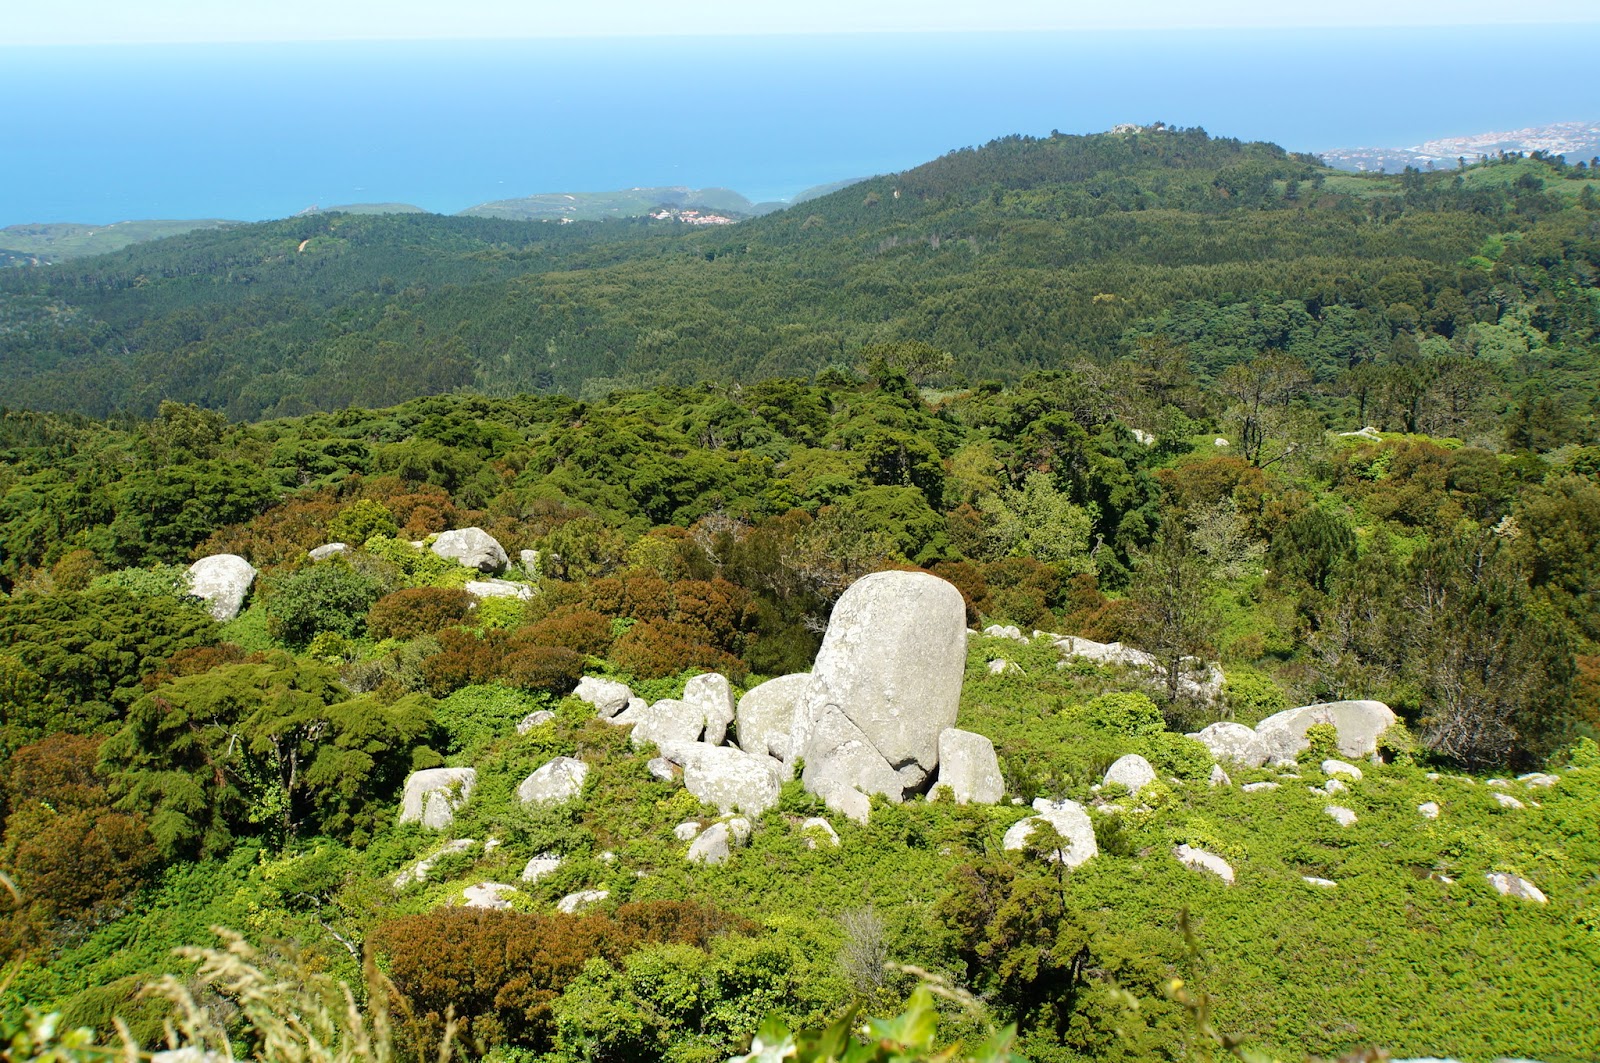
(83, 22)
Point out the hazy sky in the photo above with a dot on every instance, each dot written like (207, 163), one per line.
(150, 21)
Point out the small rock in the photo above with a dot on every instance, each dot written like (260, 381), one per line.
(490, 896)
(528, 560)
(556, 783)
(662, 768)
(1285, 764)
(712, 847)
(491, 845)
(573, 903)
(1131, 772)
(816, 828)
(608, 696)
(472, 547)
(1501, 783)
(1507, 801)
(1312, 880)
(1515, 886)
(1428, 810)
(1334, 786)
(636, 710)
(1219, 777)
(1339, 767)
(1539, 780)
(540, 866)
(1341, 815)
(1219, 442)
(607, 857)
(1005, 631)
(418, 872)
(1000, 666)
(1233, 742)
(223, 581)
(1433, 776)
(1253, 787)
(1200, 860)
(498, 588)
(431, 797)
(711, 696)
(688, 830)
(327, 550)
(534, 719)
(1070, 821)
(740, 828)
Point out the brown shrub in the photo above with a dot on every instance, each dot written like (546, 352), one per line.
(968, 579)
(553, 668)
(417, 611)
(655, 650)
(574, 626)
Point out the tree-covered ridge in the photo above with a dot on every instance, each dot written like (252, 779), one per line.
(1021, 255)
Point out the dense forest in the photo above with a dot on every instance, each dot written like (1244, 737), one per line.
(1333, 433)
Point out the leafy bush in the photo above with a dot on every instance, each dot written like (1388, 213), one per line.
(415, 611)
(1125, 713)
(475, 715)
(1251, 697)
(360, 521)
(575, 627)
(1323, 739)
(330, 596)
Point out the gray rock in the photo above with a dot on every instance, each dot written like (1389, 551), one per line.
(1334, 786)
(489, 896)
(687, 830)
(555, 783)
(969, 767)
(668, 721)
(1359, 724)
(841, 756)
(1006, 631)
(1428, 810)
(418, 872)
(431, 797)
(1539, 780)
(727, 778)
(662, 768)
(712, 696)
(891, 665)
(740, 828)
(712, 847)
(637, 709)
(472, 547)
(534, 719)
(1341, 815)
(327, 550)
(816, 829)
(528, 561)
(1507, 801)
(540, 866)
(1200, 860)
(1255, 787)
(1515, 886)
(608, 696)
(223, 581)
(188, 1054)
(1105, 653)
(573, 903)
(1000, 666)
(766, 714)
(1219, 777)
(1070, 821)
(1339, 767)
(498, 588)
(1233, 742)
(846, 800)
(1312, 880)
(1132, 772)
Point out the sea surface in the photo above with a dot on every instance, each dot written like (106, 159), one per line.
(104, 134)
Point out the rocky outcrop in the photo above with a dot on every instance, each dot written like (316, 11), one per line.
(1428, 810)
(727, 778)
(1341, 815)
(713, 846)
(1234, 743)
(555, 783)
(712, 697)
(1219, 777)
(222, 581)
(969, 767)
(816, 829)
(608, 696)
(472, 547)
(1131, 772)
(1200, 681)
(766, 715)
(667, 721)
(431, 797)
(1359, 724)
(887, 681)
(489, 896)
(1069, 820)
(1200, 860)
(1006, 631)
(1339, 767)
(418, 872)
(534, 719)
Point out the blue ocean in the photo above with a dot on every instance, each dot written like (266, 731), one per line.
(258, 131)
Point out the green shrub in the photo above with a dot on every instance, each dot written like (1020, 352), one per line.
(330, 596)
(475, 715)
(1323, 739)
(1250, 697)
(360, 521)
(1125, 713)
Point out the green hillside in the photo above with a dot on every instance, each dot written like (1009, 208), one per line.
(625, 203)
(59, 241)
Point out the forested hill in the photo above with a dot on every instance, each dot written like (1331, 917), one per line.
(1020, 255)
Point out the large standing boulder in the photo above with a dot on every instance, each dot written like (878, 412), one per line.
(1233, 742)
(766, 714)
(969, 767)
(728, 778)
(668, 720)
(1131, 772)
(472, 547)
(608, 696)
(1070, 821)
(712, 696)
(1359, 724)
(431, 797)
(890, 666)
(555, 783)
(223, 580)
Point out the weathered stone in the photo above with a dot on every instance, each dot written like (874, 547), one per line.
(1256, 787)
(766, 715)
(1000, 666)
(1538, 779)
(1428, 810)
(555, 783)
(1132, 772)
(498, 588)
(1339, 767)
(490, 896)
(418, 872)
(845, 800)
(712, 696)
(891, 664)
(1334, 786)
(1515, 886)
(1106, 653)
(1219, 777)
(608, 696)
(327, 550)
(534, 719)
(668, 720)
(1507, 801)
(472, 547)
(727, 778)
(1233, 742)
(637, 709)
(1340, 815)
(431, 797)
(528, 561)
(1070, 821)
(714, 846)
(223, 581)
(687, 830)
(1200, 860)
(1312, 880)
(816, 829)
(1359, 724)
(662, 769)
(1006, 631)
(740, 828)
(573, 903)
(841, 756)
(969, 767)
(540, 866)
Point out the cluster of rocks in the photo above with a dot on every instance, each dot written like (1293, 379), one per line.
(1201, 681)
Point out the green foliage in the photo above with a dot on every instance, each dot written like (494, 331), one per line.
(476, 715)
(909, 1035)
(362, 520)
(1251, 696)
(1124, 714)
(327, 597)
(1322, 743)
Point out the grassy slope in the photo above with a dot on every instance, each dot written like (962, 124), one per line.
(60, 241)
